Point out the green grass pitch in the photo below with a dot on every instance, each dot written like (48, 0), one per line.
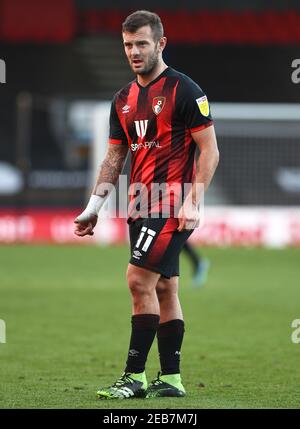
(67, 315)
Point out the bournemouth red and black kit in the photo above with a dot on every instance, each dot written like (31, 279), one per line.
(157, 122)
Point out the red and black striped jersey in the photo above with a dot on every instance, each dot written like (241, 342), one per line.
(156, 122)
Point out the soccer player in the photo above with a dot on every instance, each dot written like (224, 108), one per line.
(160, 116)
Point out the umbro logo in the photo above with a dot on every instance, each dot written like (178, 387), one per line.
(125, 109)
(137, 253)
(133, 353)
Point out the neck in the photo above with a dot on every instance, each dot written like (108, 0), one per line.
(143, 80)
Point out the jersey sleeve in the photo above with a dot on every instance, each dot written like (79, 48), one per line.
(116, 132)
(193, 106)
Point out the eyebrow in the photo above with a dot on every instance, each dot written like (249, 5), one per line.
(137, 42)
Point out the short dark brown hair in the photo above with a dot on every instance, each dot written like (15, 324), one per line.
(143, 17)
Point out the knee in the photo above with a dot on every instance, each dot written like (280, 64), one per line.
(136, 283)
(161, 289)
(165, 289)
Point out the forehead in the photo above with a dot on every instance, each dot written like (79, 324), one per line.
(143, 33)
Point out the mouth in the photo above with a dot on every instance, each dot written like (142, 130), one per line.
(137, 63)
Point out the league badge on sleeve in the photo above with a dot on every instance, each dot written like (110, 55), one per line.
(158, 104)
(203, 105)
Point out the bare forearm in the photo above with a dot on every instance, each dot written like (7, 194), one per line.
(108, 176)
(206, 167)
(110, 169)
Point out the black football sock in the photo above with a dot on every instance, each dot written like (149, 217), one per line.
(144, 327)
(169, 339)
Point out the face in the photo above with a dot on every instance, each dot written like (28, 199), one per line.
(142, 51)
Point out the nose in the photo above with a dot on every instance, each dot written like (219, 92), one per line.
(135, 50)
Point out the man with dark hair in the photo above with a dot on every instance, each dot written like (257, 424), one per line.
(161, 116)
(142, 18)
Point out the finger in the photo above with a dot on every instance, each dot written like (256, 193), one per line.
(89, 229)
(181, 224)
(81, 233)
(81, 230)
(79, 226)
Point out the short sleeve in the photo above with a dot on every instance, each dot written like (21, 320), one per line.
(116, 132)
(193, 106)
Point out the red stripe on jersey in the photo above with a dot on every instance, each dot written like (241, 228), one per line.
(162, 242)
(114, 141)
(176, 162)
(201, 127)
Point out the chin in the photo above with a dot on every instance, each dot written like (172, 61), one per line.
(143, 72)
(137, 71)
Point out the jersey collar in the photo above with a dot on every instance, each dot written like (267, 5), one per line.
(154, 80)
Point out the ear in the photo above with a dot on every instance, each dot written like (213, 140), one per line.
(162, 43)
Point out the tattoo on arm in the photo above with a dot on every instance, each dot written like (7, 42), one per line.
(111, 167)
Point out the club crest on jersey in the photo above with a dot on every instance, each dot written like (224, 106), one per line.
(203, 105)
(158, 104)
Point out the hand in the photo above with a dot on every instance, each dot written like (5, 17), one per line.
(85, 225)
(188, 216)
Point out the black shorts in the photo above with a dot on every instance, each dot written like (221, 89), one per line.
(156, 244)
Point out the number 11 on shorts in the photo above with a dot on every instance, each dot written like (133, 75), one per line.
(150, 235)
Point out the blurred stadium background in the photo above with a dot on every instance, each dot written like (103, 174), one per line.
(63, 62)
